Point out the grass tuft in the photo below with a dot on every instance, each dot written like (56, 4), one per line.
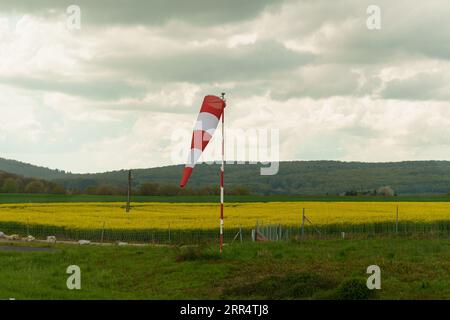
(195, 253)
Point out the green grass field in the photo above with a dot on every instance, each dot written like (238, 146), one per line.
(333, 269)
(45, 198)
(414, 265)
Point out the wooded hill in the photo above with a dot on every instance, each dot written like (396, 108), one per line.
(293, 178)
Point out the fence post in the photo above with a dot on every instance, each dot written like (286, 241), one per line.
(240, 233)
(303, 223)
(103, 232)
(396, 222)
(169, 234)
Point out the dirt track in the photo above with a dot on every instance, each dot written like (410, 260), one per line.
(27, 249)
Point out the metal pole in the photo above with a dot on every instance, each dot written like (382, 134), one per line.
(222, 174)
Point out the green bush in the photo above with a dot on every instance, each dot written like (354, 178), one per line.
(194, 253)
(354, 289)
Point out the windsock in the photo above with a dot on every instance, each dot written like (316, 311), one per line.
(206, 124)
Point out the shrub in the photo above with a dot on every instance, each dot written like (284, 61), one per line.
(194, 253)
(354, 289)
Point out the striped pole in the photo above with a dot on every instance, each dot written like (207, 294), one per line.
(222, 174)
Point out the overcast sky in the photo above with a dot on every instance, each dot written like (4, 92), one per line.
(109, 95)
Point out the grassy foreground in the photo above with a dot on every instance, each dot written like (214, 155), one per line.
(410, 269)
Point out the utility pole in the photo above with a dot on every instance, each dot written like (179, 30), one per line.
(129, 191)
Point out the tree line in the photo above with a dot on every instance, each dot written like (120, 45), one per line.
(156, 189)
(10, 183)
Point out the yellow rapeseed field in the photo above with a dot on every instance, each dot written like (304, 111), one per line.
(205, 215)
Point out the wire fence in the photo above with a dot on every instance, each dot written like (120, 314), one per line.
(365, 230)
(261, 232)
(157, 236)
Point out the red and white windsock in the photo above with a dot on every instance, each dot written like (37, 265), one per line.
(205, 126)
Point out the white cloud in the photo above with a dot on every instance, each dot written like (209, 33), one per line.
(107, 96)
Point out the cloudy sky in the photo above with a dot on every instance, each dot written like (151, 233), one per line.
(110, 94)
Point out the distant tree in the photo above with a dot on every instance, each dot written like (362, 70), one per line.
(208, 191)
(242, 191)
(35, 186)
(238, 191)
(149, 189)
(188, 192)
(106, 190)
(20, 185)
(386, 191)
(169, 190)
(56, 189)
(10, 185)
(90, 190)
